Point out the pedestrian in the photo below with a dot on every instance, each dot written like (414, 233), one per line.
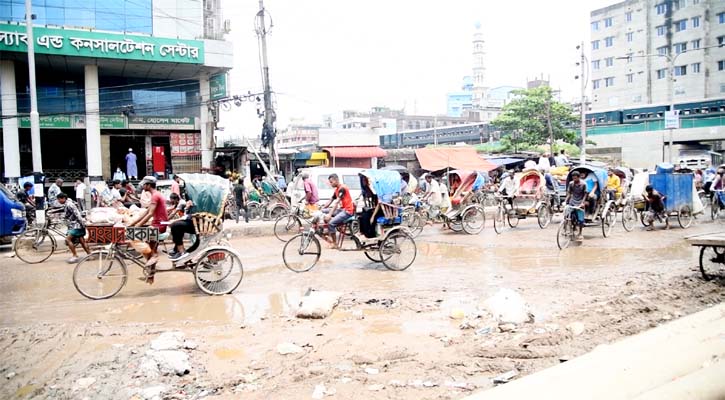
(240, 193)
(432, 195)
(656, 203)
(131, 169)
(175, 187)
(562, 159)
(116, 197)
(54, 191)
(80, 191)
(119, 175)
(311, 195)
(76, 227)
(26, 198)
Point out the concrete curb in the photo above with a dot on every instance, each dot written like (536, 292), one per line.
(254, 228)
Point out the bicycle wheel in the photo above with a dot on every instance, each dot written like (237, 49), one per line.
(629, 217)
(513, 219)
(301, 253)
(564, 234)
(684, 217)
(99, 276)
(416, 225)
(543, 216)
(287, 226)
(712, 261)
(219, 271)
(254, 210)
(609, 218)
(499, 219)
(34, 246)
(398, 251)
(473, 220)
(277, 212)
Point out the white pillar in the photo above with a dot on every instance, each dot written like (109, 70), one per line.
(93, 124)
(207, 130)
(11, 144)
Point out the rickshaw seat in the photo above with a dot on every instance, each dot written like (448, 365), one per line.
(391, 214)
(206, 224)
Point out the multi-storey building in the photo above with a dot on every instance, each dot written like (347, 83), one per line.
(633, 44)
(112, 76)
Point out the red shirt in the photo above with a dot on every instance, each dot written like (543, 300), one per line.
(343, 193)
(160, 212)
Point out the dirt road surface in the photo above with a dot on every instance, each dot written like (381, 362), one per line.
(417, 334)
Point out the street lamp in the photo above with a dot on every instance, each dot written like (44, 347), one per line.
(670, 79)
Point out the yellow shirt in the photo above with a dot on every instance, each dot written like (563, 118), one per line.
(614, 184)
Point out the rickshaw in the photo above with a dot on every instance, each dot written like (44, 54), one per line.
(385, 239)
(624, 202)
(677, 190)
(217, 268)
(603, 213)
(530, 199)
(465, 213)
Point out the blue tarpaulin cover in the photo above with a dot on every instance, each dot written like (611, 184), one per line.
(599, 173)
(385, 184)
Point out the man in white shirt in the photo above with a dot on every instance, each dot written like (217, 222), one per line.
(432, 192)
(116, 197)
(562, 159)
(508, 186)
(54, 191)
(80, 189)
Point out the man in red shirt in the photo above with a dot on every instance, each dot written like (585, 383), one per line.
(342, 207)
(156, 212)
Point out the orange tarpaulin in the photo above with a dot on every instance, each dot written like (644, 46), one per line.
(453, 158)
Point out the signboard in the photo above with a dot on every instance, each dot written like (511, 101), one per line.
(79, 43)
(218, 86)
(185, 144)
(672, 119)
(161, 123)
(106, 121)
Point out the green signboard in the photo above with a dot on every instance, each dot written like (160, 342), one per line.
(68, 42)
(218, 86)
(78, 121)
(49, 121)
(179, 123)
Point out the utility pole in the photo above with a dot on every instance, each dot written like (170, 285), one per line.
(671, 72)
(583, 126)
(34, 117)
(435, 130)
(551, 129)
(268, 130)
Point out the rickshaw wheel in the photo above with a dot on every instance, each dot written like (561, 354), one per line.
(564, 234)
(684, 217)
(277, 212)
(301, 253)
(629, 217)
(417, 225)
(398, 251)
(498, 220)
(219, 271)
(473, 220)
(513, 219)
(373, 254)
(287, 226)
(712, 259)
(609, 218)
(544, 216)
(34, 246)
(642, 216)
(99, 276)
(455, 225)
(254, 210)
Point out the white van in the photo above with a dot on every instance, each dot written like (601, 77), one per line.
(319, 175)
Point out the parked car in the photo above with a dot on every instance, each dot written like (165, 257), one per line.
(319, 175)
(12, 215)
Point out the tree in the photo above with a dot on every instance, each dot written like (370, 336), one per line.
(533, 116)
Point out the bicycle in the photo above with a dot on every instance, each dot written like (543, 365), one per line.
(291, 224)
(568, 227)
(717, 205)
(37, 244)
(504, 213)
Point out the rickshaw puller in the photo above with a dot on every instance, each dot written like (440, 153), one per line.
(342, 207)
(576, 196)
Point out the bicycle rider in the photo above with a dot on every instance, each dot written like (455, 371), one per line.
(342, 207)
(576, 196)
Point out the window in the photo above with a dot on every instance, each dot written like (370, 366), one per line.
(596, 83)
(680, 47)
(609, 81)
(678, 4)
(695, 22)
(663, 50)
(630, 36)
(661, 8)
(609, 61)
(661, 30)
(681, 70)
(629, 57)
(696, 68)
(595, 45)
(595, 64)
(628, 16)
(721, 65)
(608, 22)
(661, 73)
(630, 78)
(721, 18)
(595, 25)
(720, 40)
(695, 44)
(609, 41)
(680, 25)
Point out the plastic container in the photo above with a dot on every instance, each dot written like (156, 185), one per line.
(677, 189)
(665, 168)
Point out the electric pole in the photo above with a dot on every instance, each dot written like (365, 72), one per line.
(34, 116)
(268, 130)
(582, 61)
(549, 127)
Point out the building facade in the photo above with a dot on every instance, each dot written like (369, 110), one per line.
(112, 76)
(635, 43)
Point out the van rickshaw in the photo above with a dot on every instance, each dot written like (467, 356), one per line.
(530, 199)
(466, 213)
(603, 213)
(385, 239)
(217, 268)
(677, 190)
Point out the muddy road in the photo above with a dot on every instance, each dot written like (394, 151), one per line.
(417, 334)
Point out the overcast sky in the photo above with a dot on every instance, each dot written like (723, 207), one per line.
(330, 55)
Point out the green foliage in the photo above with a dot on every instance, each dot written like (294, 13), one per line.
(524, 119)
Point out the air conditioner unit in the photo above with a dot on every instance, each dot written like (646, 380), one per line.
(227, 26)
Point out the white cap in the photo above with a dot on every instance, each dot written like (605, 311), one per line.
(130, 149)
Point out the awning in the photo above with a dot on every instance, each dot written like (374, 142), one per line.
(452, 157)
(355, 152)
(505, 161)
